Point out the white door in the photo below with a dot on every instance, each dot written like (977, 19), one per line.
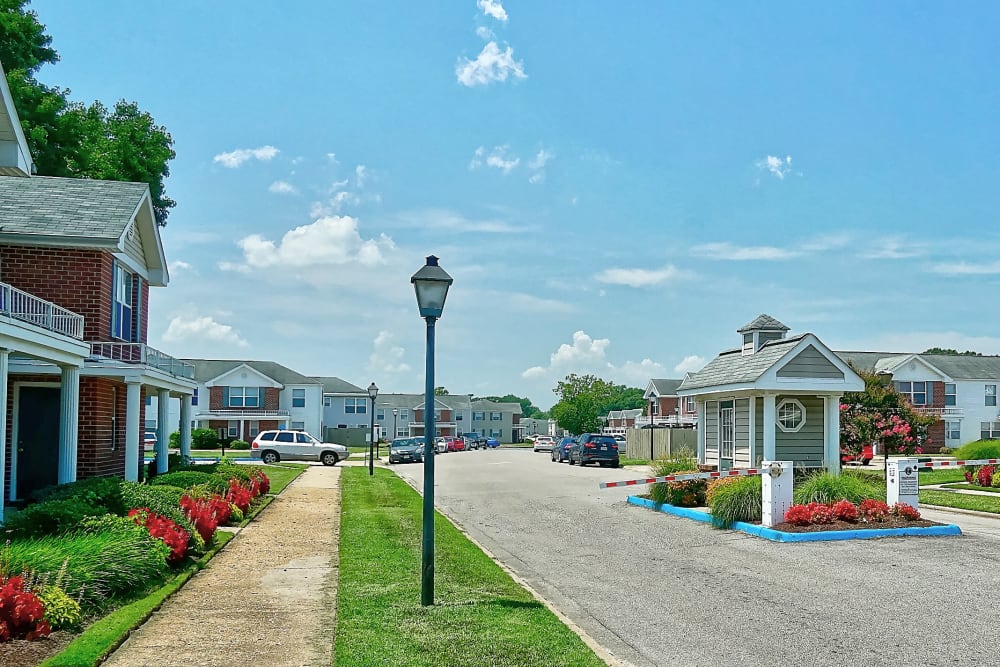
(727, 434)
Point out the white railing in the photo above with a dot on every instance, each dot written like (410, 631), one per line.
(943, 413)
(671, 420)
(140, 353)
(246, 413)
(25, 307)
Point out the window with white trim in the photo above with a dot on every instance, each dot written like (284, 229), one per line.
(356, 406)
(254, 429)
(989, 430)
(298, 426)
(380, 414)
(458, 416)
(952, 431)
(298, 398)
(122, 312)
(790, 415)
(328, 401)
(478, 416)
(950, 394)
(689, 407)
(496, 432)
(991, 395)
(244, 397)
(916, 392)
(404, 413)
(496, 416)
(233, 429)
(194, 397)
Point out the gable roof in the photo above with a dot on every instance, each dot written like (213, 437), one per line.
(733, 367)
(483, 404)
(665, 387)
(334, 385)
(209, 369)
(15, 158)
(957, 367)
(765, 322)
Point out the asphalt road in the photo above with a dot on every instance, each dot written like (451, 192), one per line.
(660, 590)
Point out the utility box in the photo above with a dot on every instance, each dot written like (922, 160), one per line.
(902, 483)
(776, 488)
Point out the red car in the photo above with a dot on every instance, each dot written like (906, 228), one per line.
(455, 444)
(863, 458)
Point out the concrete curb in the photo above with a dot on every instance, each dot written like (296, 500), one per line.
(818, 536)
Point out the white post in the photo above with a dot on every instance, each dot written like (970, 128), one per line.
(185, 426)
(4, 358)
(700, 406)
(133, 443)
(902, 484)
(69, 405)
(776, 486)
(769, 440)
(162, 436)
(752, 429)
(831, 438)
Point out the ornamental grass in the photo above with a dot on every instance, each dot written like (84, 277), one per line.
(739, 499)
(826, 488)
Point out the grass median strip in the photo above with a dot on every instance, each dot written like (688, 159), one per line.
(965, 501)
(480, 617)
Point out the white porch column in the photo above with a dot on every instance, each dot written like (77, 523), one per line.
(831, 430)
(133, 443)
(69, 406)
(162, 436)
(752, 426)
(185, 426)
(769, 409)
(4, 358)
(700, 406)
(242, 424)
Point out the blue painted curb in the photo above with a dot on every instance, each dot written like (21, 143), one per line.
(818, 536)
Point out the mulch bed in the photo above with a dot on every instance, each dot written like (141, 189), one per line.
(890, 522)
(19, 653)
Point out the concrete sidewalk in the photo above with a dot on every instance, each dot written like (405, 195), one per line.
(268, 598)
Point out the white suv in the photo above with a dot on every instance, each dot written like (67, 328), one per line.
(274, 446)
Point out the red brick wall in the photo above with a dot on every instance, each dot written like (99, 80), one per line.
(102, 419)
(446, 415)
(271, 398)
(215, 398)
(665, 406)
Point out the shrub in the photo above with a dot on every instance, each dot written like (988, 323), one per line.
(845, 510)
(981, 449)
(677, 464)
(714, 485)
(61, 611)
(996, 480)
(204, 438)
(681, 461)
(984, 476)
(820, 513)
(101, 492)
(163, 529)
(236, 516)
(798, 515)
(52, 517)
(230, 470)
(739, 499)
(103, 561)
(905, 511)
(873, 511)
(240, 496)
(262, 480)
(164, 501)
(239, 444)
(827, 488)
(945, 450)
(21, 612)
(186, 479)
(206, 514)
(175, 440)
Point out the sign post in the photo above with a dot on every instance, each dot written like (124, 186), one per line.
(776, 489)
(902, 483)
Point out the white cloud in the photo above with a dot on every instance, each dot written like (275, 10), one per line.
(966, 269)
(497, 158)
(282, 188)
(493, 8)
(332, 158)
(435, 218)
(690, 364)
(641, 277)
(361, 175)
(386, 357)
(740, 253)
(893, 248)
(589, 355)
(537, 165)
(638, 373)
(533, 304)
(534, 373)
(485, 33)
(329, 240)
(776, 165)
(179, 265)
(236, 158)
(202, 328)
(490, 65)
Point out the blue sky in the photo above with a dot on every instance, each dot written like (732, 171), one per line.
(615, 187)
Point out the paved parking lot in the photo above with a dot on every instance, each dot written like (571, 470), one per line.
(660, 590)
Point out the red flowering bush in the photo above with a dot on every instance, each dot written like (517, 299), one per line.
(905, 511)
(21, 612)
(201, 513)
(799, 515)
(239, 495)
(873, 511)
(845, 510)
(262, 480)
(968, 476)
(820, 513)
(163, 529)
(984, 476)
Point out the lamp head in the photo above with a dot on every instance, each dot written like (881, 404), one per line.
(372, 391)
(431, 285)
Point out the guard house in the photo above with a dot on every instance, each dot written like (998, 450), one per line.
(774, 398)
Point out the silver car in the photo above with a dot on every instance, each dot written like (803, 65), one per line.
(275, 446)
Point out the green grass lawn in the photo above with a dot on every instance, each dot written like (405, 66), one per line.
(480, 616)
(972, 487)
(217, 453)
(282, 474)
(942, 476)
(961, 501)
(634, 462)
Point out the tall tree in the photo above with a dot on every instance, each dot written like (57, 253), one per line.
(951, 352)
(69, 139)
(582, 401)
(440, 391)
(528, 410)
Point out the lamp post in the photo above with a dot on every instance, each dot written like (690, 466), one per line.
(395, 411)
(651, 403)
(431, 285)
(372, 393)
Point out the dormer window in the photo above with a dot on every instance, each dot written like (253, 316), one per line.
(748, 346)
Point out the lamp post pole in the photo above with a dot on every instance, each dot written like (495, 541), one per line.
(372, 393)
(431, 285)
(651, 429)
(395, 411)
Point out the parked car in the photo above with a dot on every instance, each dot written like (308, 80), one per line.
(476, 439)
(149, 441)
(560, 450)
(594, 448)
(455, 444)
(274, 446)
(492, 442)
(543, 443)
(864, 457)
(406, 450)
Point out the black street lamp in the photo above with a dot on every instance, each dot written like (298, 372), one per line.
(395, 411)
(431, 284)
(372, 393)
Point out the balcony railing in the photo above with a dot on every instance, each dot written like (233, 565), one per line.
(140, 353)
(671, 420)
(19, 305)
(243, 413)
(943, 413)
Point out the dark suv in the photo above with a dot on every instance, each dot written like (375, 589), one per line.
(594, 448)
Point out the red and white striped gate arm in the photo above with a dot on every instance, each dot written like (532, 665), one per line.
(958, 464)
(735, 472)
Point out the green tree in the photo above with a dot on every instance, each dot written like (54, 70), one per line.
(440, 391)
(528, 410)
(582, 401)
(951, 351)
(69, 139)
